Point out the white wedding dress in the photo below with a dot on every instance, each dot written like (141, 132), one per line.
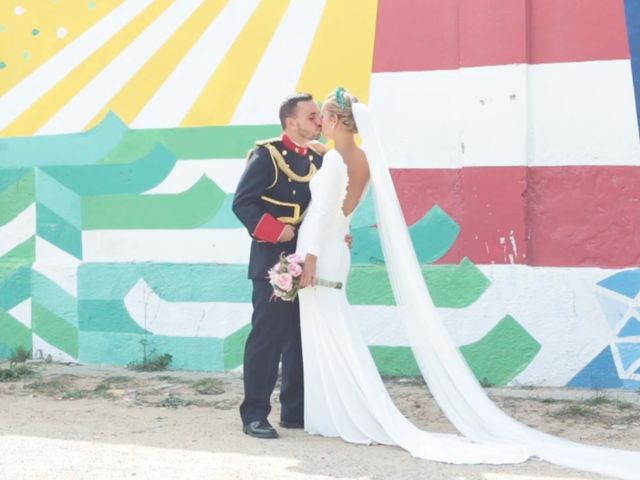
(344, 394)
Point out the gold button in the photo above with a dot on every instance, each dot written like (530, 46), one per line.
(284, 152)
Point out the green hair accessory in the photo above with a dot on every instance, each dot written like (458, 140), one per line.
(339, 94)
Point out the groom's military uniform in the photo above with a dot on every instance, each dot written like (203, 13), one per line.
(273, 192)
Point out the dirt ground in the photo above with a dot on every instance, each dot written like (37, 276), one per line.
(72, 421)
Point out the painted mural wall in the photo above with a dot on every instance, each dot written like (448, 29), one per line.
(511, 127)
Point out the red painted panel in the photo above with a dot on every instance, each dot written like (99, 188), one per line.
(421, 35)
(573, 216)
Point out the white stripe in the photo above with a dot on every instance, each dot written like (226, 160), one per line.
(184, 319)
(24, 94)
(172, 102)
(18, 230)
(43, 349)
(281, 65)
(57, 265)
(537, 115)
(22, 312)
(226, 246)
(185, 174)
(76, 114)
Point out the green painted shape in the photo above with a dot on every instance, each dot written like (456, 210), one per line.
(57, 300)
(135, 177)
(198, 282)
(54, 330)
(193, 143)
(234, 348)
(106, 281)
(189, 353)
(19, 256)
(106, 316)
(450, 286)
(189, 209)
(9, 177)
(16, 198)
(225, 218)
(455, 286)
(57, 230)
(504, 352)
(16, 288)
(395, 361)
(433, 235)
(86, 148)
(13, 334)
(58, 198)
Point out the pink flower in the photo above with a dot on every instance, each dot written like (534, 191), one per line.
(295, 270)
(284, 281)
(294, 258)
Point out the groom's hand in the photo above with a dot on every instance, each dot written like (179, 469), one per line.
(349, 240)
(287, 234)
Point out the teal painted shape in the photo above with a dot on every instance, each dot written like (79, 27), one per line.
(225, 218)
(5, 350)
(10, 177)
(433, 235)
(86, 148)
(54, 298)
(198, 282)
(229, 141)
(629, 353)
(58, 231)
(106, 316)
(16, 288)
(106, 281)
(58, 198)
(134, 177)
(189, 353)
(365, 215)
(13, 334)
(53, 329)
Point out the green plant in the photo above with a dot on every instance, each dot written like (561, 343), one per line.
(13, 373)
(173, 401)
(208, 386)
(151, 363)
(20, 355)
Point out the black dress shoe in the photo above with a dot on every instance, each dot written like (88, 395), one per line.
(285, 424)
(260, 429)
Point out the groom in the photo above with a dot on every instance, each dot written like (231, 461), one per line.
(270, 201)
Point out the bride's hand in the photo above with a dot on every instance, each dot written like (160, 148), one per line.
(308, 276)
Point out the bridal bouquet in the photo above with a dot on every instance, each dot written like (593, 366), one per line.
(284, 277)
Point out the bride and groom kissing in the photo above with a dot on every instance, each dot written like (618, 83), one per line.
(339, 392)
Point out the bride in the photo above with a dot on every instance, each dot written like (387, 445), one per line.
(344, 394)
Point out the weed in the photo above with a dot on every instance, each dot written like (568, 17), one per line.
(486, 383)
(20, 355)
(173, 401)
(573, 411)
(13, 374)
(623, 405)
(548, 400)
(208, 386)
(599, 399)
(152, 363)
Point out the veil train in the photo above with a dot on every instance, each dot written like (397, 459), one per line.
(450, 380)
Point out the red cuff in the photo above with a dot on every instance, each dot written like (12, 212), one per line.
(268, 229)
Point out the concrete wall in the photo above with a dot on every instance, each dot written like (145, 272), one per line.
(511, 126)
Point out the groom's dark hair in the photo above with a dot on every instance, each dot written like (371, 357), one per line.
(289, 107)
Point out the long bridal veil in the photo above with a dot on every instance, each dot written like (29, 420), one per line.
(450, 380)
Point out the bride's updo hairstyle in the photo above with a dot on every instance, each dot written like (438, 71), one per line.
(339, 103)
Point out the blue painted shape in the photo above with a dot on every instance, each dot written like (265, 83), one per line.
(629, 353)
(189, 353)
(16, 289)
(10, 177)
(106, 281)
(631, 384)
(626, 283)
(631, 328)
(57, 301)
(614, 309)
(86, 148)
(225, 218)
(632, 11)
(599, 373)
(57, 230)
(58, 198)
